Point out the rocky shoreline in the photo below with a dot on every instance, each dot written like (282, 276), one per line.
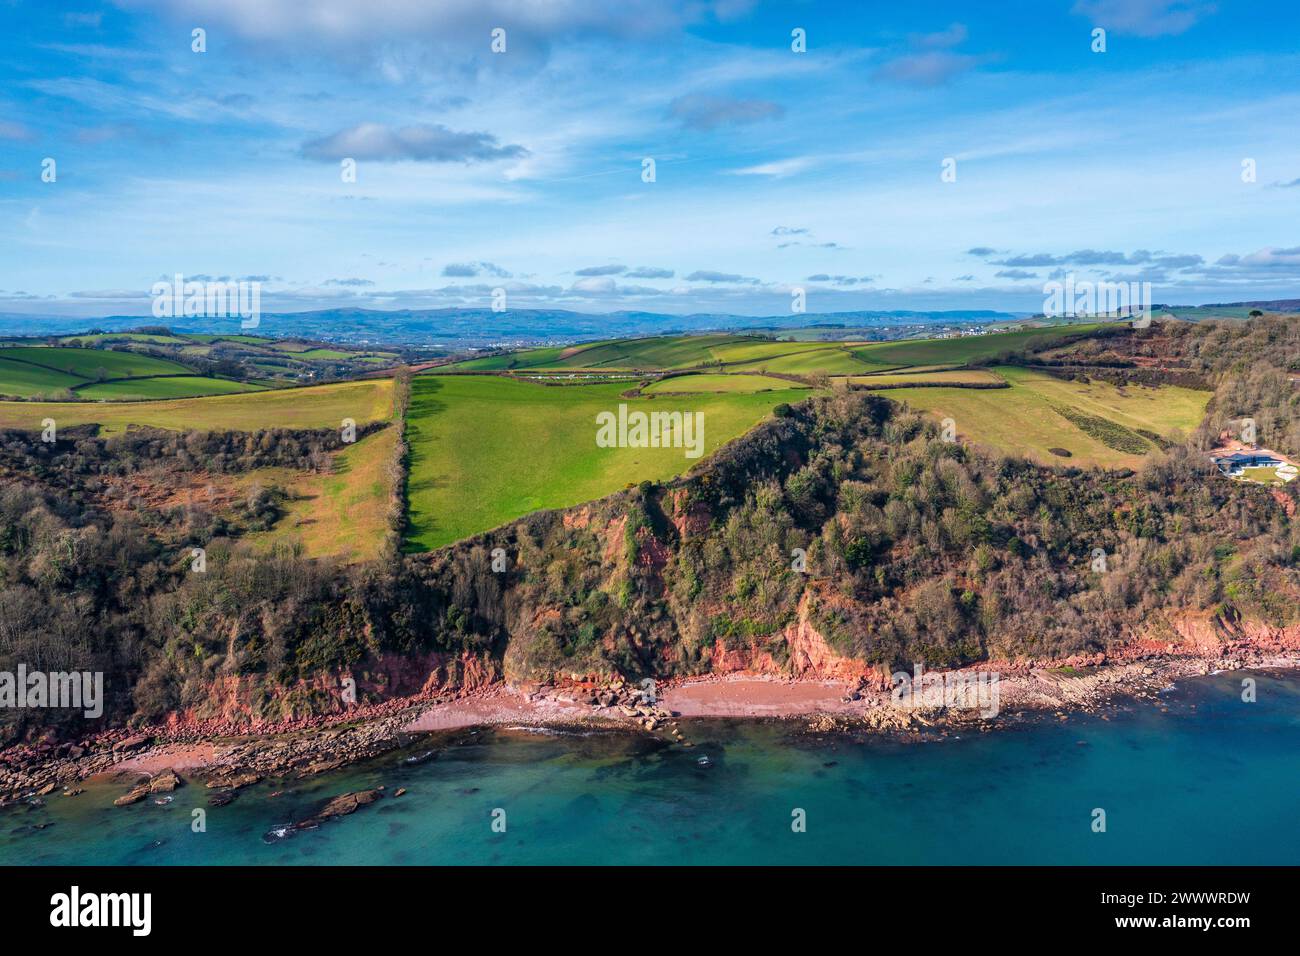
(152, 764)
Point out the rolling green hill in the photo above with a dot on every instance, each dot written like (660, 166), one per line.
(320, 406)
(754, 353)
(89, 363)
(717, 383)
(488, 449)
(967, 348)
(25, 380)
(175, 386)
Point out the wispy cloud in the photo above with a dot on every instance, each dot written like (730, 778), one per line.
(931, 60)
(777, 169)
(1145, 18)
(708, 275)
(466, 270)
(702, 112)
(429, 143)
(15, 131)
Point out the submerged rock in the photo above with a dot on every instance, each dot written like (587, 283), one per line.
(341, 806)
(135, 795)
(280, 832)
(233, 782)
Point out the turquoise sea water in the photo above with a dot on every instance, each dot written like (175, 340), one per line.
(1208, 780)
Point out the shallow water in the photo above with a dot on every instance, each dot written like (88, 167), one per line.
(1210, 780)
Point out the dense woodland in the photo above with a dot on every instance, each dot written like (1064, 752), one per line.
(916, 550)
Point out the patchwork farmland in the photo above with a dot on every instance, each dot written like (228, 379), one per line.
(494, 438)
(1022, 411)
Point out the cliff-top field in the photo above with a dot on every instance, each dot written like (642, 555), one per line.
(320, 406)
(1096, 422)
(339, 514)
(487, 449)
(1037, 415)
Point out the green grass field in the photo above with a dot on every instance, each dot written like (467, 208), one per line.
(245, 339)
(665, 352)
(755, 353)
(25, 380)
(533, 358)
(147, 337)
(944, 377)
(968, 348)
(88, 363)
(716, 383)
(1023, 421)
(319, 406)
(178, 386)
(814, 358)
(748, 350)
(321, 354)
(486, 450)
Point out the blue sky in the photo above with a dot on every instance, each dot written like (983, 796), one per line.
(522, 170)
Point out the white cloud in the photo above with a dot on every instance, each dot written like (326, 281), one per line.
(423, 143)
(778, 168)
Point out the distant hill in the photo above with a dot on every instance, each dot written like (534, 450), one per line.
(480, 327)
(1230, 310)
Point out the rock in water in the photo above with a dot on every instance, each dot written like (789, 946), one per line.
(341, 806)
(165, 782)
(135, 796)
(233, 781)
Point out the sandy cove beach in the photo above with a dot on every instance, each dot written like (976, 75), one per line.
(227, 763)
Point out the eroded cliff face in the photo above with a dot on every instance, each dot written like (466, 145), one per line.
(234, 703)
(804, 653)
(1209, 633)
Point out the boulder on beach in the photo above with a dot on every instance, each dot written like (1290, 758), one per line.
(165, 782)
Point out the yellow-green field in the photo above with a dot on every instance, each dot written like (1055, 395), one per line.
(1022, 420)
(340, 515)
(754, 353)
(717, 383)
(171, 386)
(318, 406)
(832, 360)
(961, 376)
(486, 450)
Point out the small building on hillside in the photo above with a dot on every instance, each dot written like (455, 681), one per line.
(1235, 463)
